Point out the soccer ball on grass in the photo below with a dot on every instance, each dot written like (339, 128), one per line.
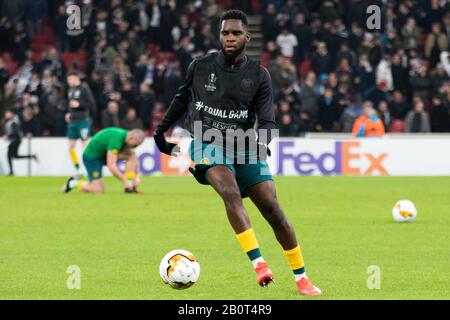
(404, 211)
(179, 269)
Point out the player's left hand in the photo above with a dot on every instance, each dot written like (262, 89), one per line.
(171, 149)
(74, 103)
(136, 182)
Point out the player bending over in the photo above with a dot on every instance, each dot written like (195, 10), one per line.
(107, 147)
(226, 91)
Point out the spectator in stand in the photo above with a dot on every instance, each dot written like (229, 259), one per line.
(385, 115)
(131, 121)
(345, 52)
(410, 34)
(205, 40)
(288, 128)
(379, 93)
(60, 27)
(184, 55)
(446, 22)
(145, 104)
(304, 37)
(35, 11)
(384, 74)
(398, 107)
(343, 98)
(30, 125)
(110, 116)
(8, 98)
(4, 75)
(287, 42)
(172, 81)
(440, 115)
(309, 96)
(436, 43)
(269, 26)
(420, 82)
(368, 124)
(399, 72)
(417, 120)
(182, 29)
(21, 42)
(438, 76)
(321, 60)
(328, 112)
(365, 77)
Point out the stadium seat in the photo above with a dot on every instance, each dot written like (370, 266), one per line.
(422, 41)
(304, 68)
(397, 126)
(10, 65)
(164, 58)
(71, 58)
(6, 57)
(154, 48)
(40, 43)
(265, 59)
(47, 28)
(256, 5)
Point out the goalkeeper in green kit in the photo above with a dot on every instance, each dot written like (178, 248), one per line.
(107, 147)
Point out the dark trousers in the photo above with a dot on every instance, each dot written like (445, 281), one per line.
(13, 153)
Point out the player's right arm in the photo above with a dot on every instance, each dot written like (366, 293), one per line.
(111, 163)
(176, 109)
(67, 116)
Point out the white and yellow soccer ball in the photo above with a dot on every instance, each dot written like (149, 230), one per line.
(179, 269)
(404, 211)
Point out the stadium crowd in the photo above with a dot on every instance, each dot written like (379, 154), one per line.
(324, 61)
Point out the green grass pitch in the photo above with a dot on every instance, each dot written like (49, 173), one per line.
(344, 225)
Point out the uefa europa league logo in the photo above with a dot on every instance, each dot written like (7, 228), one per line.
(74, 20)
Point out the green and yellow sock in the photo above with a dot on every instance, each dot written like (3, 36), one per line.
(295, 259)
(80, 185)
(249, 244)
(74, 158)
(77, 184)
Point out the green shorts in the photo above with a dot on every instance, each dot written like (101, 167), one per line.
(79, 129)
(94, 167)
(207, 156)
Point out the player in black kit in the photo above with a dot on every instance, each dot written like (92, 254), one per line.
(223, 95)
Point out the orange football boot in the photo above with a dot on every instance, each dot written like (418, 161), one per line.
(306, 288)
(265, 275)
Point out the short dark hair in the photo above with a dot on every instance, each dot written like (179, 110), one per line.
(73, 73)
(235, 15)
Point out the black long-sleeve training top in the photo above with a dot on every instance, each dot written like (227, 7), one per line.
(223, 97)
(87, 105)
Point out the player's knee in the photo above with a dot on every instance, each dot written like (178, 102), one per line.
(275, 216)
(96, 187)
(231, 196)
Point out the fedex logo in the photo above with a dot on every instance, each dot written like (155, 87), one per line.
(346, 159)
